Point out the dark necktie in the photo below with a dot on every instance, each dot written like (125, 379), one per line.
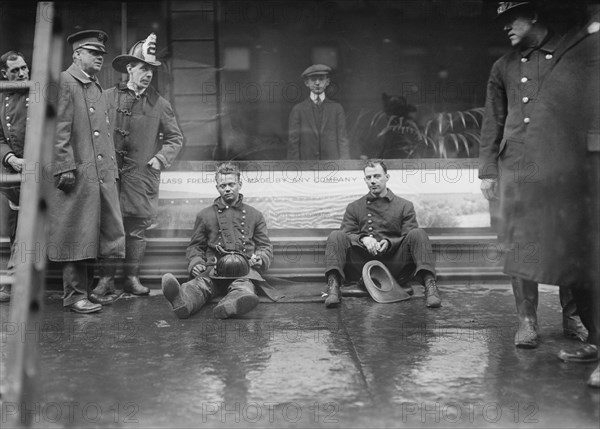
(318, 101)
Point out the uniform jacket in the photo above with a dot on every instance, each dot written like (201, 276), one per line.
(13, 121)
(390, 217)
(143, 127)
(512, 94)
(239, 227)
(314, 138)
(557, 219)
(83, 144)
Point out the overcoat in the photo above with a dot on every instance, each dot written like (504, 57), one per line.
(556, 219)
(85, 222)
(512, 92)
(143, 127)
(313, 137)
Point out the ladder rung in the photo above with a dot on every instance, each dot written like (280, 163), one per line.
(6, 86)
(10, 179)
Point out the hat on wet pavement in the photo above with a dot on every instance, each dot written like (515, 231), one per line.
(144, 51)
(316, 69)
(380, 283)
(88, 39)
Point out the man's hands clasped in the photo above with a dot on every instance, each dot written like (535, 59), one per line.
(375, 247)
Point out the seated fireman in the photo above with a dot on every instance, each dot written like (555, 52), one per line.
(382, 226)
(232, 237)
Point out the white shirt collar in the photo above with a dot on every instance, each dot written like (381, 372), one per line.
(314, 96)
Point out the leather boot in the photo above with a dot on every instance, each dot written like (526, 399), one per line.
(526, 299)
(572, 326)
(105, 293)
(188, 298)
(235, 303)
(334, 295)
(432, 294)
(134, 256)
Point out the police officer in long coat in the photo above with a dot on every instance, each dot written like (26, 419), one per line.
(85, 217)
(512, 93)
(559, 208)
(147, 139)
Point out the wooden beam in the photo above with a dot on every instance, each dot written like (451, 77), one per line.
(28, 287)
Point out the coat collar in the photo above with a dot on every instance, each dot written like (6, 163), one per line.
(389, 196)
(577, 34)
(220, 205)
(150, 93)
(548, 45)
(78, 74)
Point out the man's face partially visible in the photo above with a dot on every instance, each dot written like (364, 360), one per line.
(89, 60)
(317, 83)
(376, 179)
(518, 28)
(229, 187)
(16, 70)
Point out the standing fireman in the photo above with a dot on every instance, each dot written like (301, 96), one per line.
(85, 217)
(13, 121)
(147, 139)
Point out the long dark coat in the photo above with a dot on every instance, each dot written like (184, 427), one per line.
(85, 222)
(309, 139)
(144, 127)
(512, 92)
(556, 220)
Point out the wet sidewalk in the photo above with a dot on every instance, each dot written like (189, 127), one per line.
(362, 365)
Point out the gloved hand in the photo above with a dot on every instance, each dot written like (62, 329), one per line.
(66, 181)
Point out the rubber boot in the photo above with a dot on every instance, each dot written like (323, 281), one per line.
(134, 256)
(526, 299)
(572, 326)
(334, 295)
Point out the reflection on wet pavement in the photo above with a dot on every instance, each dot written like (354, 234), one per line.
(299, 365)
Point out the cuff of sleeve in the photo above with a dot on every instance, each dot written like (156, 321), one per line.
(6, 158)
(162, 160)
(59, 169)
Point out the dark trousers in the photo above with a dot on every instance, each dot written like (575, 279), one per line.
(135, 242)
(77, 276)
(12, 194)
(587, 300)
(413, 255)
(199, 290)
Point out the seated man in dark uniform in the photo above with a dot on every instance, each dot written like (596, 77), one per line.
(382, 226)
(232, 236)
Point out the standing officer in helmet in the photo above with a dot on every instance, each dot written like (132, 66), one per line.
(233, 234)
(147, 139)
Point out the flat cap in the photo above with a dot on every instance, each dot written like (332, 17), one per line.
(88, 39)
(316, 69)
